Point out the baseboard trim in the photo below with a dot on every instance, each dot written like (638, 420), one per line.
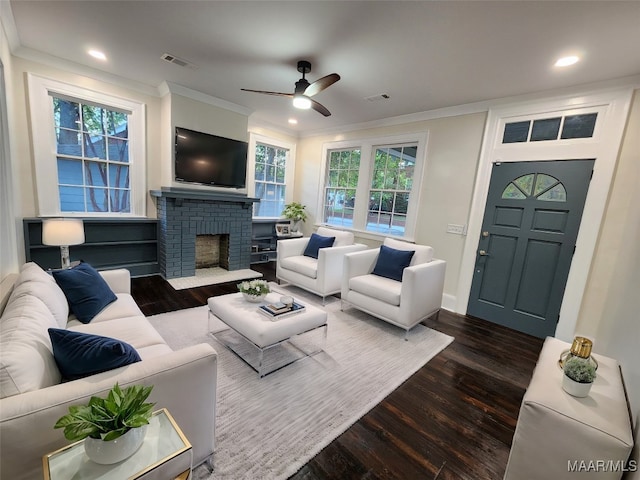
(449, 302)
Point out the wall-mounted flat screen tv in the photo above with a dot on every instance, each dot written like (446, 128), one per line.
(206, 159)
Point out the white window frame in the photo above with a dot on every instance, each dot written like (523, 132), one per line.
(41, 90)
(367, 147)
(254, 139)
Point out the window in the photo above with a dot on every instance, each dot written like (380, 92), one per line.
(340, 187)
(372, 186)
(545, 129)
(92, 150)
(271, 171)
(547, 188)
(88, 149)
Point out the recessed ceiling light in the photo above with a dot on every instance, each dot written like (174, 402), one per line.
(293, 121)
(97, 54)
(566, 61)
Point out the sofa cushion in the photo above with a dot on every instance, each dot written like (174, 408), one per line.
(424, 253)
(124, 306)
(33, 280)
(26, 357)
(316, 242)
(79, 354)
(306, 266)
(342, 238)
(380, 288)
(391, 262)
(136, 331)
(85, 289)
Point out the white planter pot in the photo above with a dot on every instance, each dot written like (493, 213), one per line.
(253, 298)
(574, 388)
(114, 451)
(295, 225)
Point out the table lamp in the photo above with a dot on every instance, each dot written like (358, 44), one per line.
(63, 232)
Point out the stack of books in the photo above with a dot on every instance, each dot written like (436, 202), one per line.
(280, 310)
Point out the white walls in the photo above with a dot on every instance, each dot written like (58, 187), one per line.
(453, 149)
(9, 258)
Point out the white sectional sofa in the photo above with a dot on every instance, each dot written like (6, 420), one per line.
(33, 395)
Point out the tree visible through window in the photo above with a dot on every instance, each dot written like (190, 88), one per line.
(391, 183)
(92, 151)
(340, 187)
(270, 180)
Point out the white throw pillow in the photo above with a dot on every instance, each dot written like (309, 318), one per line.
(342, 238)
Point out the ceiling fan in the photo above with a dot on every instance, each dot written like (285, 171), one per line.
(304, 90)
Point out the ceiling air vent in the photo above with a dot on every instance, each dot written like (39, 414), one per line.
(378, 97)
(178, 61)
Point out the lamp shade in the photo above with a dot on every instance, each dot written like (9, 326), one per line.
(62, 231)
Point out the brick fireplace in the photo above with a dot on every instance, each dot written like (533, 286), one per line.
(184, 214)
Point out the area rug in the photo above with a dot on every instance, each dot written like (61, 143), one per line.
(212, 276)
(269, 428)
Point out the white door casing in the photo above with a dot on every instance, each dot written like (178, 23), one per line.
(613, 109)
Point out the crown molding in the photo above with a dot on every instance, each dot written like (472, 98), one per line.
(170, 87)
(483, 106)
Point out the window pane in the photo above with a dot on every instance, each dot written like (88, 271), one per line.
(92, 120)
(525, 183)
(259, 174)
(97, 200)
(516, 132)
(118, 176)
(66, 114)
(556, 194)
(68, 142)
(70, 172)
(95, 174)
(71, 199)
(118, 150)
(543, 182)
(117, 124)
(94, 146)
(513, 193)
(579, 126)
(546, 129)
(402, 203)
(120, 201)
(334, 160)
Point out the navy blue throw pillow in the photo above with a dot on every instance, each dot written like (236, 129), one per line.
(79, 354)
(316, 242)
(85, 289)
(392, 262)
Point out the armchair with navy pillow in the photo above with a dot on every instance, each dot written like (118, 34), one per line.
(400, 282)
(315, 263)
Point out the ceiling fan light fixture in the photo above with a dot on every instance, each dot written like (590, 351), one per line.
(301, 102)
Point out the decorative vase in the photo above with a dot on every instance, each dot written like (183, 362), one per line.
(253, 298)
(114, 451)
(574, 388)
(581, 348)
(295, 225)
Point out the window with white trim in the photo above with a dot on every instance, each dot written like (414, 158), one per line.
(373, 185)
(271, 172)
(88, 149)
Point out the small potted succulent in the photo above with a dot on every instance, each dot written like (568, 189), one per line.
(113, 428)
(295, 212)
(578, 377)
(254, 290)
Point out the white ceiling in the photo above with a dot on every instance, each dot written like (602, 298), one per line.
(425, 55)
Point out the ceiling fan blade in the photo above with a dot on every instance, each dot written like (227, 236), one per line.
(279, 94)
(320, 84)
(320, 108)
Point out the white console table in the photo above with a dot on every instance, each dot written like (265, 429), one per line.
(556, 432)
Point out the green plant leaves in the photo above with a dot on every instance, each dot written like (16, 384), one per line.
(108, 418)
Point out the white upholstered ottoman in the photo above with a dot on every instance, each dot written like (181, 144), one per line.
(263, 343)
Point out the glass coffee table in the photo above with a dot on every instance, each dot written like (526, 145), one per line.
(165, 454)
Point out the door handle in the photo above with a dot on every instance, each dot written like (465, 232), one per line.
(483, 253)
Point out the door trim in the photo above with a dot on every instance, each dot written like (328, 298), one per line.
(613, 106)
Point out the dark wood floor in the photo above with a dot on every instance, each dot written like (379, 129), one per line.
(453, 419)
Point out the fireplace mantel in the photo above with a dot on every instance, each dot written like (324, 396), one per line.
(196, 194)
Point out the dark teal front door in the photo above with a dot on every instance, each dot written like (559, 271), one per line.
(528, 237)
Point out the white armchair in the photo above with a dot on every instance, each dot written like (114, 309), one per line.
(322, 276)
(402, 303)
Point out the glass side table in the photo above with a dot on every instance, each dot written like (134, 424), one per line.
(165, 454)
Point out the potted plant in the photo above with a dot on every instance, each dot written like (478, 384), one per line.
(113, 427)
(578, 377)
(295, 212)
(254, 290)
